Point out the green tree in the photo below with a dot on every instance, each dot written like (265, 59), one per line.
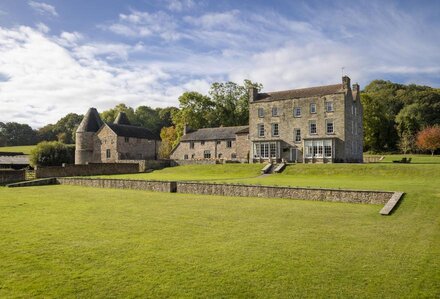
(52, 153)
(169, 136)
(231, 102)
(110, 115)
(149, 118)
(14, 134)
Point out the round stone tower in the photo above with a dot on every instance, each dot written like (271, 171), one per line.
(84, 136)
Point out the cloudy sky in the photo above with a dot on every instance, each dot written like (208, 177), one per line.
(59, 56)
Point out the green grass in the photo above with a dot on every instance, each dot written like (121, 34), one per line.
(26, 149)
(415, 159)
(68, 241)
(196, 173)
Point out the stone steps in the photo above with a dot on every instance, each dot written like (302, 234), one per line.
(279, 168)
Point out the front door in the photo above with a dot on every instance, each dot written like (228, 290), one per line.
(293, 154)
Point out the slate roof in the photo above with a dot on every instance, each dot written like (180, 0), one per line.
(91, 122)
(122, 119)
(220, 133)
(132, 131)
(300, 93)
(16, 160)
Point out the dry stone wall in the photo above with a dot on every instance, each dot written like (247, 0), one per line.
(85, 170)
(9, 176)
(336, 195)
(158, 186)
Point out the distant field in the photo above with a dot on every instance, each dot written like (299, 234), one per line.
(26, 149)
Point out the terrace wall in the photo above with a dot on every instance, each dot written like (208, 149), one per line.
(10, 176)
(318, 194)
(335, 195)
(158, 186)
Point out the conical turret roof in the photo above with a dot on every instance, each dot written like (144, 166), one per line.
(91, 121)
(122, 119)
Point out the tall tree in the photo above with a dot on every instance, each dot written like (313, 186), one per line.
(15, 134)
(110, 115)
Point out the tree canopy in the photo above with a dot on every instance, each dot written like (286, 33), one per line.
(395, 113)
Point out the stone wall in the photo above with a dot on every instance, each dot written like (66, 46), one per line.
(336, 195)
(85, 170)
(10, 176)
(193, 162)
(318, 194)
(158, 186)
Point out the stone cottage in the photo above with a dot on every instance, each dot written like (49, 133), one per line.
(318, 124)
(100, 142)
(223, 143)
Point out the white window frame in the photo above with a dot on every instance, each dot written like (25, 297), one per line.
(313, 110)
(320, 148)
(313, 122)
(260, 129)
(297, 135)
(329, 107)
(297, 112)
(275, 130)
(265, 150)
(260, 112)
(327, 122)
(275, 111)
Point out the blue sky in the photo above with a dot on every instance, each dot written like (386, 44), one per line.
(59, 56)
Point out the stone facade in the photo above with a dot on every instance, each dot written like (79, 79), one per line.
(99, 142)
(318, 124)
(223, 144)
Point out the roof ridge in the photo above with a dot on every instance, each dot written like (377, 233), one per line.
(304, 88)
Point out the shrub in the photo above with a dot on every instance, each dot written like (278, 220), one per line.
(52, 153)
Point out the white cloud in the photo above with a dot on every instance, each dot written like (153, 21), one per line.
(179, 5)
(142, 24)
(43, 8)
(42, 28)
(45, 77)
(45, 80)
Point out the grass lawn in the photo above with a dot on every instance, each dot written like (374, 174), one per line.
(26, 149)
(196, 173)
(70, 241)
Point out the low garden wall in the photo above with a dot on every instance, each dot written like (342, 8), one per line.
(85, 170)
(193, 162)
(10, 176)
(336, 195)
(158, 186)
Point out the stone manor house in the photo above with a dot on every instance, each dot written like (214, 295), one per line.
(320, 124)
(100, 142)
